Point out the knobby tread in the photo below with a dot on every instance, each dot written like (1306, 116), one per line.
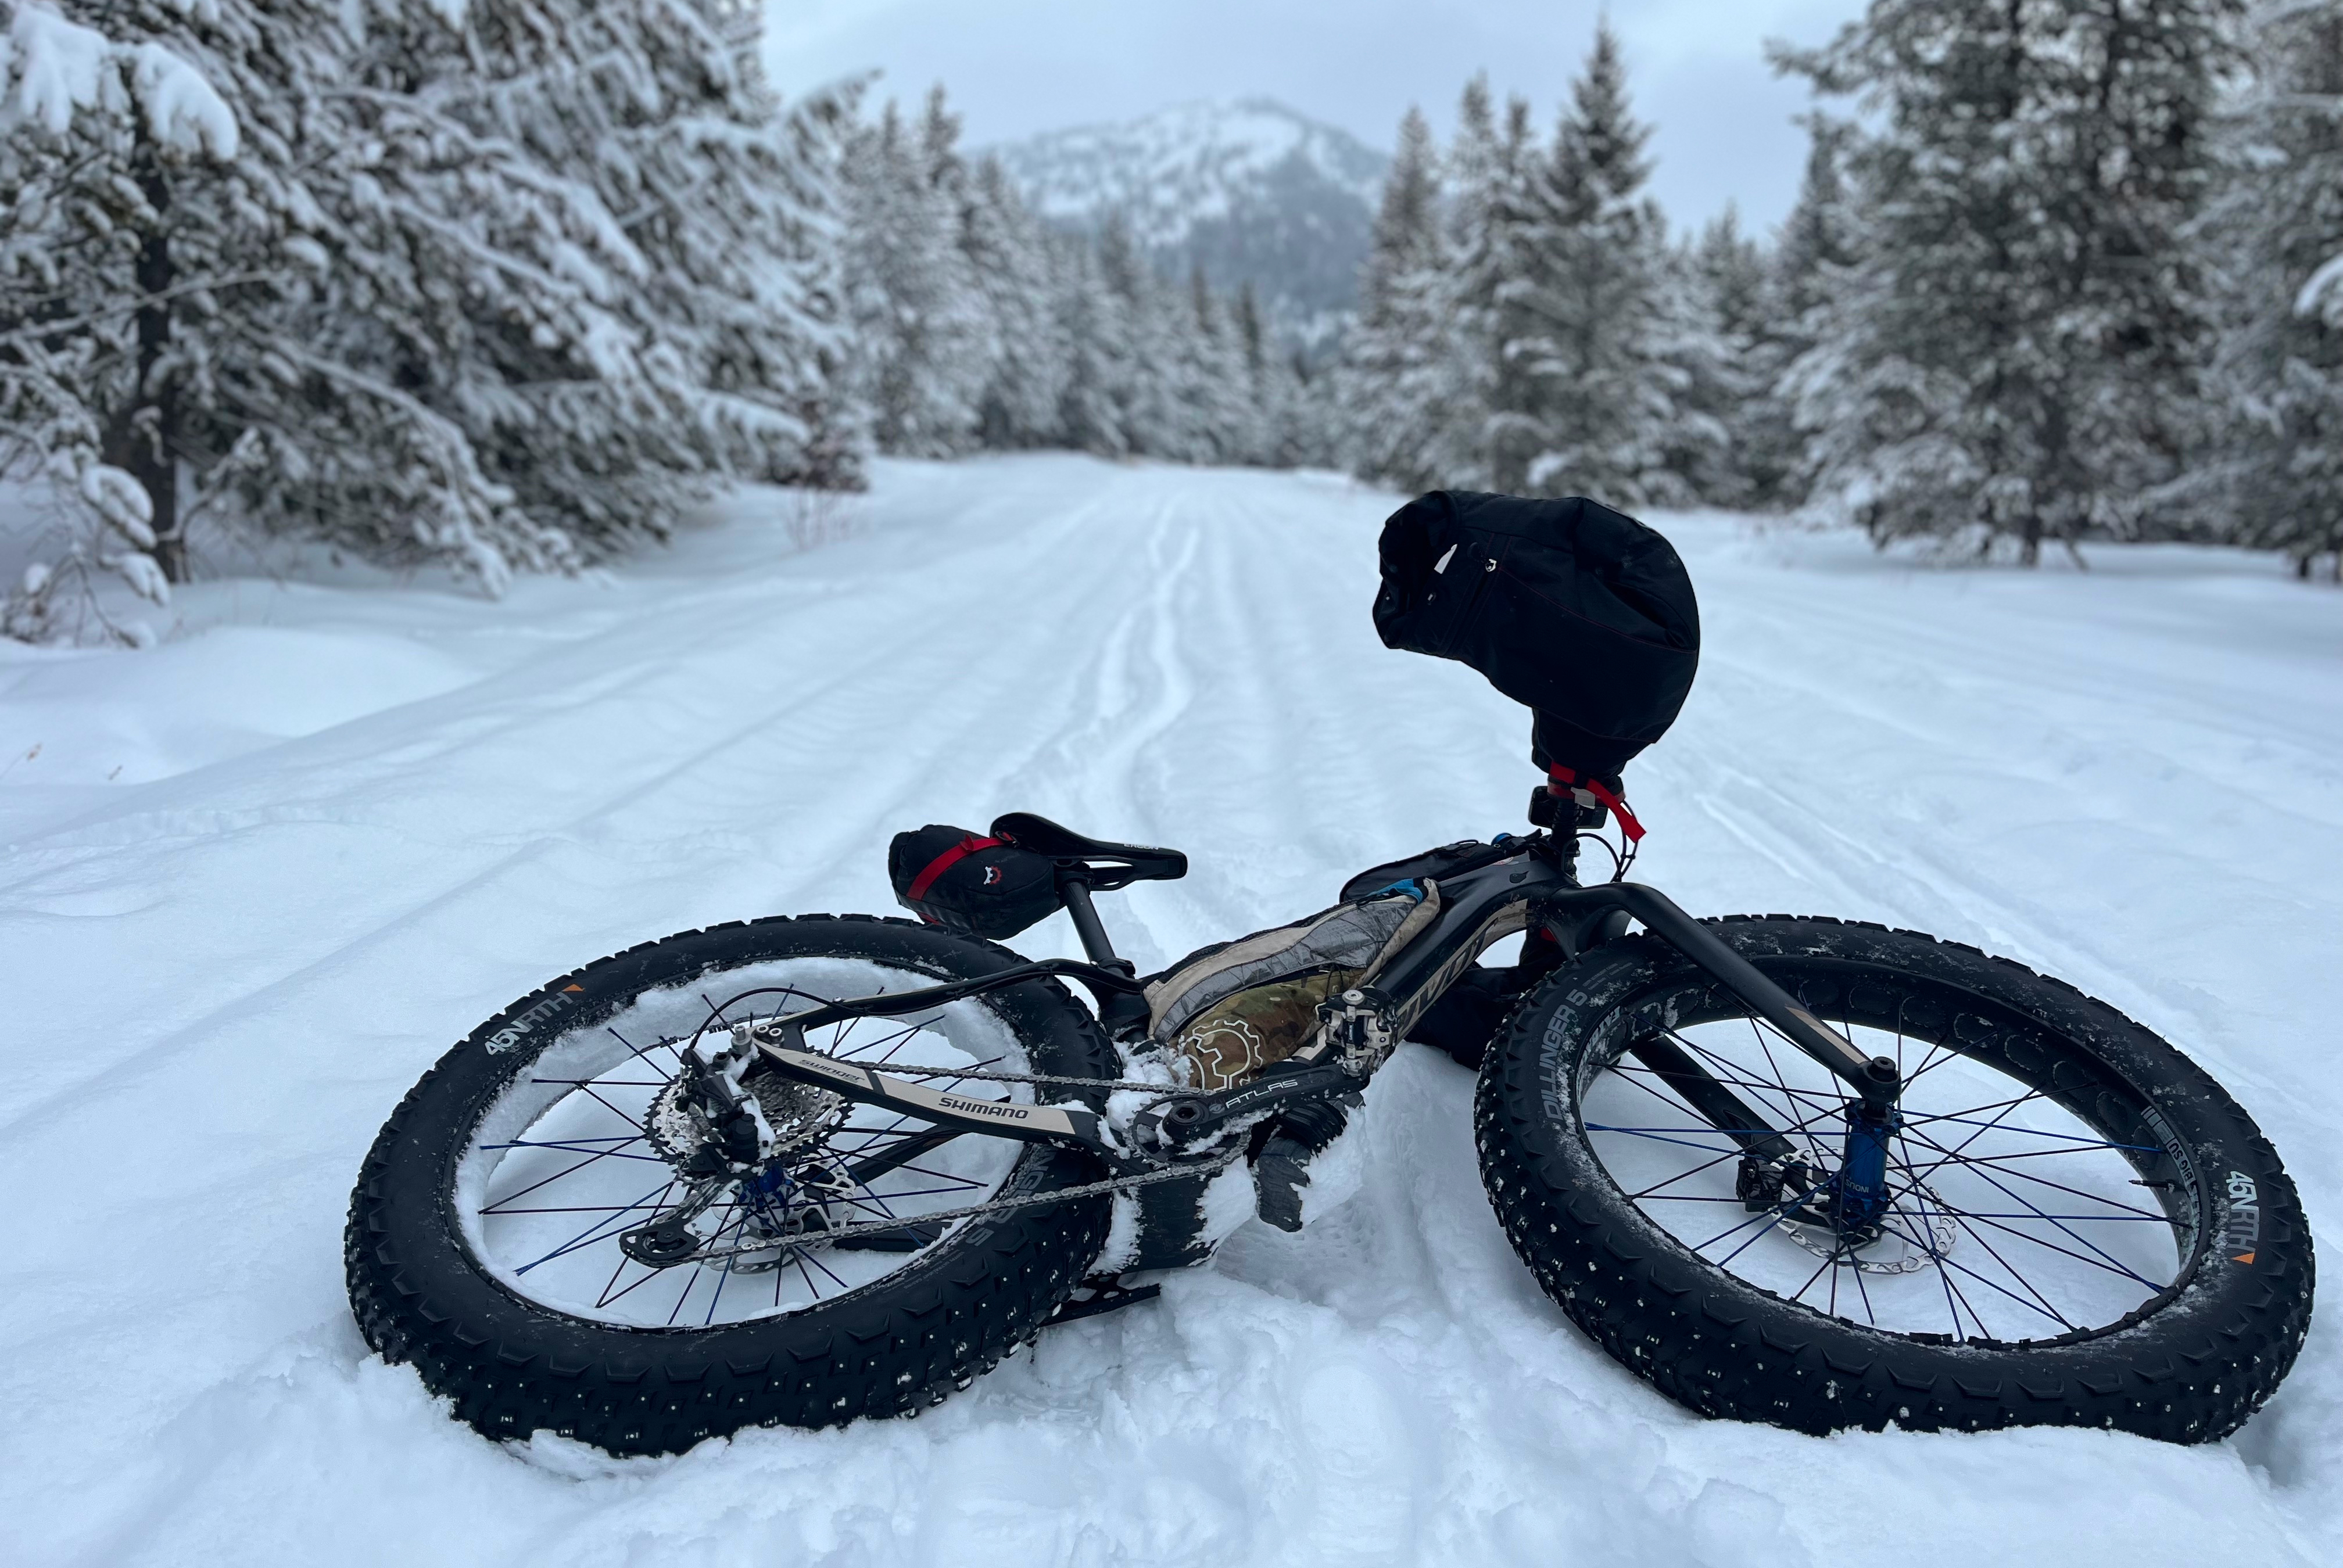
(2191, 1370)
(509, 1367)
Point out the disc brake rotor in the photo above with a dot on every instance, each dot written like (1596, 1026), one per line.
(1906, 1244)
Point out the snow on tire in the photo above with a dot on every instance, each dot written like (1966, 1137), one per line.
(482, 1241)
(2085, 1231)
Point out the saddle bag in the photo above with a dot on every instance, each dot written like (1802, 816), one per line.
(971, 883)
(1578, 611)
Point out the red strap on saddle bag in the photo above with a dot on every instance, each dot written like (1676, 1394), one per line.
(943, 862)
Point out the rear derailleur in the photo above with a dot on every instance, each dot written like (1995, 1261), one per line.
(759, 1138)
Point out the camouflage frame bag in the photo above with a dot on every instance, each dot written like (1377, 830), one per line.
(1230, 1011)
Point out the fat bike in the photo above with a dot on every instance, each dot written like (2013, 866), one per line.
(1806, 1172)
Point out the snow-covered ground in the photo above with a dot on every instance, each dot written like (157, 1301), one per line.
(256, 881)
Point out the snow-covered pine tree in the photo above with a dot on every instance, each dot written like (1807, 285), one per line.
(1495, 282)
(505, 284)
(1214, 380)
(2017, 351)
(924, 338)
(1584, 320)
(1479, 251)
(1282, 434)
(1393, 361)
(1807, 275)
(580, 281)
(1718, 313)
(120, 128)
(2277, 229)
(1156, 421)
(1095, 324)
(1011, 261)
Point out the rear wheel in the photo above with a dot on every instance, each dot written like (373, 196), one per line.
(2080, 1227)
(488, 1240)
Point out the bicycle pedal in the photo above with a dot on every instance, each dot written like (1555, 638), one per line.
(1098, 1294)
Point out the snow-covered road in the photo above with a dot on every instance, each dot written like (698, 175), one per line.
(255, 882)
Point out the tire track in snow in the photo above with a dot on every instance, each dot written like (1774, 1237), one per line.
(1184, 657)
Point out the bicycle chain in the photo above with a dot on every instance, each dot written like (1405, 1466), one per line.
(1112, 1184)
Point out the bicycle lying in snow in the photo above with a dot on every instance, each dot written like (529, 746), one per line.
(1806, 1172)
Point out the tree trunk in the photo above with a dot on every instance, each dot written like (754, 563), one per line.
(2029, 549)
(140, 439)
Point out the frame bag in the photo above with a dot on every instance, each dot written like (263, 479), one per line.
(1578, 611)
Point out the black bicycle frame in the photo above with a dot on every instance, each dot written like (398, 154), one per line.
(1478, 907)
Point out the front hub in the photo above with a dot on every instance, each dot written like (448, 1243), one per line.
(1859, 1201)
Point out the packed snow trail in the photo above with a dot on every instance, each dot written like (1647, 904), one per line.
(255, 882)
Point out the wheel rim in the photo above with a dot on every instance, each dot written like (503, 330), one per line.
(567, 1157)
(2019, 1209)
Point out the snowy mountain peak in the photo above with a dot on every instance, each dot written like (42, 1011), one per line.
(1246, 188)
(1189, 163)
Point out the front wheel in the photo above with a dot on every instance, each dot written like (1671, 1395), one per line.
(2080, 1228)
(489, 1237)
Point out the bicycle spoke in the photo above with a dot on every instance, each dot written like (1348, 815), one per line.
(1967, 1161)
(557, 1176)
(587, 1237)
(1990, 1147)
(1707, 1165)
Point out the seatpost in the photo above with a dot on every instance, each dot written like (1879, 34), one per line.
(1075, 888)
(1120, 1011)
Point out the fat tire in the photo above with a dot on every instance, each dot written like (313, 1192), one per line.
(511, 1367)
(2189, 1366)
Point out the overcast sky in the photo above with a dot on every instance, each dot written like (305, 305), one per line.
(1722, 119)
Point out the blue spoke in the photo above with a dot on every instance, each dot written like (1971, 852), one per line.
(579, 1148)
(2105, 1261)
(557, 1175)
(2033, 1133)
(2094, 1219)
(724, 1275)
(586, 1236)
(1968, 1160)
(1780, 1214)
(1946, 1263)
(1644, 1132)
(1930, 1244)
(2110, 1264)
(1994, 1253)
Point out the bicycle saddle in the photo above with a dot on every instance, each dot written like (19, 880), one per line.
(1123, 863)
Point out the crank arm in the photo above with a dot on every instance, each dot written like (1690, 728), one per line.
(1190, 1121)
(781, 1045)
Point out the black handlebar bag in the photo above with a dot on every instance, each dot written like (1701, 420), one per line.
(1582, 613)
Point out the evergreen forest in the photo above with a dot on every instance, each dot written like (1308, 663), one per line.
(512, 286)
